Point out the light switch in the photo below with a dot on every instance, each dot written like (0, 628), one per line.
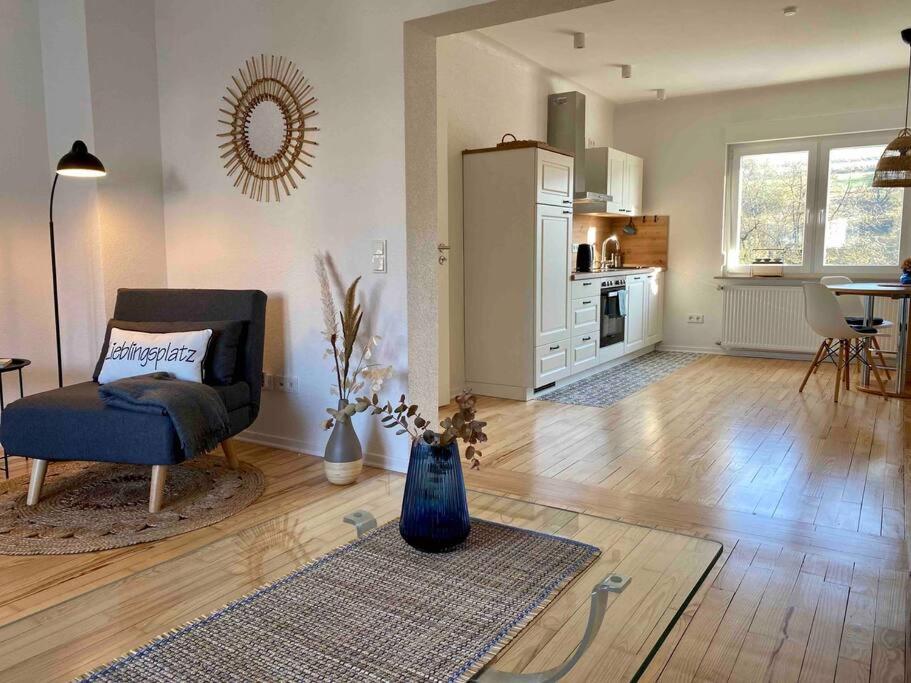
(378, 256)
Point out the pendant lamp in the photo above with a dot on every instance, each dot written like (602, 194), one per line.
(894, 167)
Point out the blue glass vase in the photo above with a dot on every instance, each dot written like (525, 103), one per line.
(435, 508)
(905, 278)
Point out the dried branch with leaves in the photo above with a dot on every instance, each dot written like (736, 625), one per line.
(406, 418)
(350, 350)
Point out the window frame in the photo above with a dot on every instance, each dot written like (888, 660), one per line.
(819, 149)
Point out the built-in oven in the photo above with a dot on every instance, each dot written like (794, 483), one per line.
(613, 311)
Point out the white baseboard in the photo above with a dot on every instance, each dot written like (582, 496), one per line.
(717, 350)
(379, 460)
(743, 353)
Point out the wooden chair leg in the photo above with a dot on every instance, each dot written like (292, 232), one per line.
(882, 359)
(156, 490)
(879, 379)
(813, 365)
(838, 362)
(847, 350)
(36, 481)
(230, 454)
(828, 350)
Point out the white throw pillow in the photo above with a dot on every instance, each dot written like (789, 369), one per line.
(139, 353)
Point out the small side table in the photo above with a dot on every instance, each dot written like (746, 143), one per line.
(15, 366)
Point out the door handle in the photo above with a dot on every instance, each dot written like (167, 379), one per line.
(554, 348)
(565, 211)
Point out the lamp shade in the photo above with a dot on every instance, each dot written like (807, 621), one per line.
(79, 163)
(894, 167)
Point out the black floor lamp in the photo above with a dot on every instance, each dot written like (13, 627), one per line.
(76, 163)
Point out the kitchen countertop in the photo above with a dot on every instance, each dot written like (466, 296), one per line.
(619, 272)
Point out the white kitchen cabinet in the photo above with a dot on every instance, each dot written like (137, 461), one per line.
(517, 238)
(617, 174)
(636, 313)
(616, 179)
(585, 314)
(632, 185)
(585, 352)
(553, 238)
(552, 362)
(554, 178)
(654, 306)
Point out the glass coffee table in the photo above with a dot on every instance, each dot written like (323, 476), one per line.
(186, 576)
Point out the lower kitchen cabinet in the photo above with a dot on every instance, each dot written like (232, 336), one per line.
(585, 352)
(636, 313)
(552, 362)
(654, 308)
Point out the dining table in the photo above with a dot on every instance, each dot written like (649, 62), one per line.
(869, 292)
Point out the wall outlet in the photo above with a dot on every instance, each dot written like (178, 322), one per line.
(696, 319)
(268, 382)
(285, 383)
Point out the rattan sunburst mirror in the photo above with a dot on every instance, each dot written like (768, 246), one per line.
(268, 139)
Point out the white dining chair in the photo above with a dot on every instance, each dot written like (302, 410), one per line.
(855, 315)
(825, 316)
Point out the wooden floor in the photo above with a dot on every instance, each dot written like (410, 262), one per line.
(808, 498)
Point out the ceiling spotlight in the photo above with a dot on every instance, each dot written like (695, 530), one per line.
(626, 70)
(660, 95)
(790, 10)
(578, 40)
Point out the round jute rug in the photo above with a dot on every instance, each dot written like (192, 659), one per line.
(101, 506)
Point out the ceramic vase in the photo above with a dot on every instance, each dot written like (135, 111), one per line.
(905, 278)
(344, 458)
(435, 507)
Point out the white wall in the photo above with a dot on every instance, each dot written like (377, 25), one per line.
(123, 65)
(75, 70)
(485, 90)
(26, 312)
(683, 141)
(353, 53)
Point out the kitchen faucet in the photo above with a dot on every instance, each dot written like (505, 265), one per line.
(614, 260)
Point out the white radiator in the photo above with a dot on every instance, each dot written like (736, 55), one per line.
(771, 318)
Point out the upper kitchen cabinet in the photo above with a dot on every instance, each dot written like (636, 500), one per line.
(632, 186)
(554, 178)
(617, 174)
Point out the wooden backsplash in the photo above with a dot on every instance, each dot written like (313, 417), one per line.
(648, 247)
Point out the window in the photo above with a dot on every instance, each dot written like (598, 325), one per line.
(810, 202)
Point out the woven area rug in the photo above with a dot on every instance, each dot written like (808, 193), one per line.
(620, 381)
(372, 610)
(102, 506)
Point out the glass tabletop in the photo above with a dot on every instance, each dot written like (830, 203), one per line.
(196, 573)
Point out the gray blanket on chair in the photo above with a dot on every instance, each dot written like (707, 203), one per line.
(196, 410)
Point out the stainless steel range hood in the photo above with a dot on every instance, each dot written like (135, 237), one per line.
(566, 131)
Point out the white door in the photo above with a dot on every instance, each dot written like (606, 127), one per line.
(616, 177)
(654, 296)
(632, 185)
(635, 313)
(554, 178)
(553, 235)
(443, 270)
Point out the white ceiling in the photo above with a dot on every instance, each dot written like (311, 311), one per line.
(698, 46)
